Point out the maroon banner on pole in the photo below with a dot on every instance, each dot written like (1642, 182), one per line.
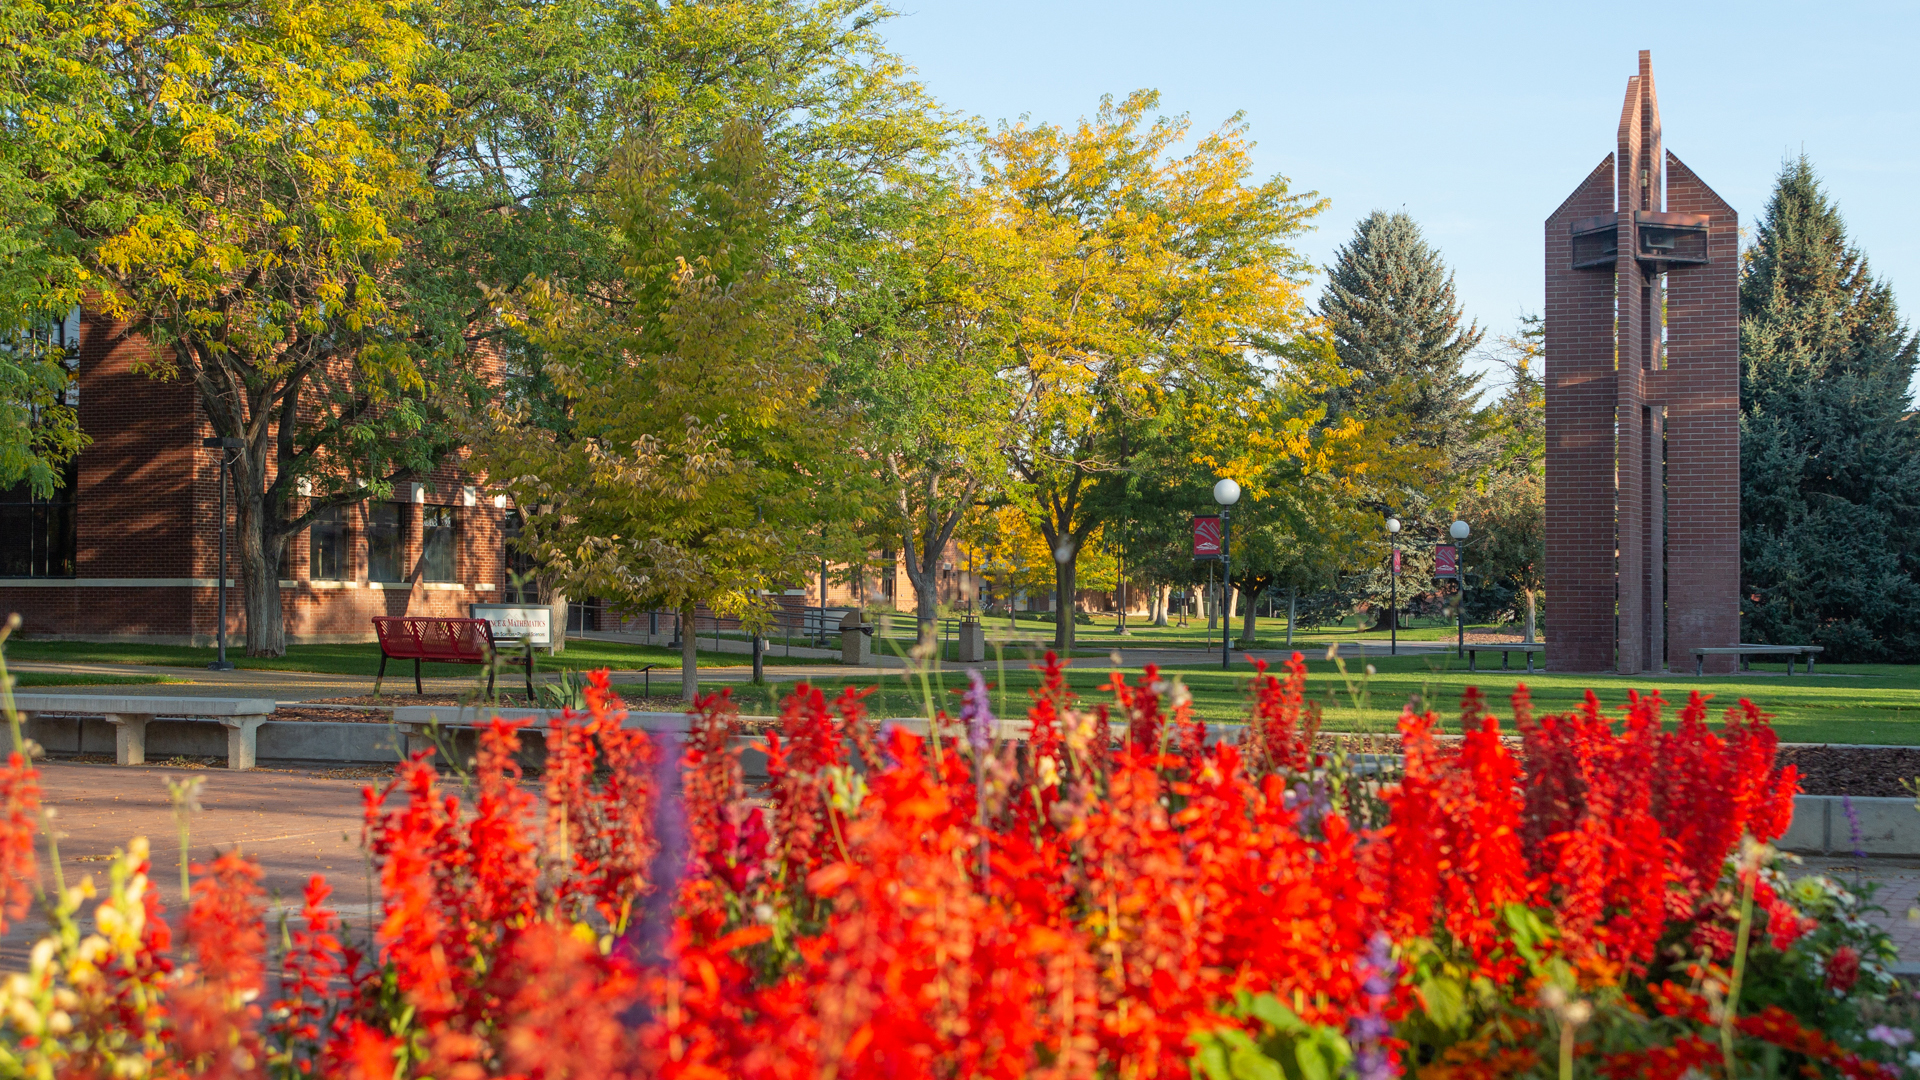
(1396, 560)
(1446, 561)
(1206, 537)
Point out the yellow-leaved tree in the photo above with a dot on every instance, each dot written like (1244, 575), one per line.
(221, 179)
(1136, 272)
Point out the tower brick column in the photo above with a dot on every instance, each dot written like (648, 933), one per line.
(1642, 409)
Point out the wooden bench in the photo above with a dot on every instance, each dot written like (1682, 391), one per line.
(442, 640)
(1791, 652)
(1503, 648)
(129, 716)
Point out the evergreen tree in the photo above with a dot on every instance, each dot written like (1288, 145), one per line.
(1401, 337)
(1829, 458)
(1397, 326)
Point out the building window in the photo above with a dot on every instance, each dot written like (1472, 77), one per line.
(437, 544)
(37, 536)
(386, 543)
(327, 545)
(516, 565)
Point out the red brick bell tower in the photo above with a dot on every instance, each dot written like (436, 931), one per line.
(1643, 410)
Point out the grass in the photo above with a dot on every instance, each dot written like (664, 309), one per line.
(364, 658)
(1844, 704)
(25, 680)
(1097, 637)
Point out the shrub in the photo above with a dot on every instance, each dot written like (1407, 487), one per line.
(1115, 894)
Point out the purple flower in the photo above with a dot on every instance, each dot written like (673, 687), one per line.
(1854, 832)
(1892, 1036)
(977, 712)
(1366, 1031)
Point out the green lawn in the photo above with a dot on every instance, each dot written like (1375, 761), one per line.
(1844, 704)
(1098, 637)
(364, 658)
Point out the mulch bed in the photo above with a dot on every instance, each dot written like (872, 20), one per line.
(1854, 770)
(507, 701)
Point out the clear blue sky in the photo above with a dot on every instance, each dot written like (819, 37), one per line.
(1475, 118)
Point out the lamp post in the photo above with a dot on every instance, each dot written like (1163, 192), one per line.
(1459, 531)
(223, 445)
(1393, 586)
(1225, 492)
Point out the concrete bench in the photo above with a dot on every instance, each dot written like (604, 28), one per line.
(129, 716)
(1503, 648)
(1791, 652)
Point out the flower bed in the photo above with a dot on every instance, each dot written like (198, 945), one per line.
(1599, 902)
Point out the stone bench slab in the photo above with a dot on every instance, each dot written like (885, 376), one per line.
(130, 715)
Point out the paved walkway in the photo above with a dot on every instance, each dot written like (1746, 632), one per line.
(296, 824)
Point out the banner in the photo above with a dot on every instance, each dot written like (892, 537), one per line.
(1396, 560)
(1206, 538)
(1446, 561)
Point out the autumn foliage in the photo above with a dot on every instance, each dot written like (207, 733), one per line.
(1114, 890)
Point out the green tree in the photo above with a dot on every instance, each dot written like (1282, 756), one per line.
(1398, 327)
(1130, 271)
(696, 464)
(226, 181)
(544, 96)
(1829, 454)
(1507, 502)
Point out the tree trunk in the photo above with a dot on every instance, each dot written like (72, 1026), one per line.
(557, 603)
(1530, 618)
(1063, 579)
(254, 558)
(1249, 627)
(1293, 597)
(689, 655)
(1163, 598)
(1233, 600)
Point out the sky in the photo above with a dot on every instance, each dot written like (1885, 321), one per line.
(1475, 118)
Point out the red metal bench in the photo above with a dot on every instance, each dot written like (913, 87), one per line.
(441, 641)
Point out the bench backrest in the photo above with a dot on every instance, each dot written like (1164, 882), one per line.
(412, 637)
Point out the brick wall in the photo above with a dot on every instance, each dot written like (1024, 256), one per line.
(147, 517)
(1642, 418)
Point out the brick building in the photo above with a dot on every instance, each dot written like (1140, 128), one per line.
(128, 550)
(1642, 409)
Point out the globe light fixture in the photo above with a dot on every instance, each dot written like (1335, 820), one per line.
(1226, 492)
(1393, 593)
(1459, 531)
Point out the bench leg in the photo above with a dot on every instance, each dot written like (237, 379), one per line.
(1699, 665)
(1789, 665)
(1503, 661)
(129, 738)
(1472, 659)
(243, 735)
(416, 676)
(1529, 661)
(377, 679)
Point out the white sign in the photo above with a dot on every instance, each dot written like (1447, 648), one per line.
(530, 624)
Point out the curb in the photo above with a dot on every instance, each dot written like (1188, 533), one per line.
(1887, 827)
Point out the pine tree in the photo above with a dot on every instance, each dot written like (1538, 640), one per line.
(1829, 454)
(1401, 336)
(1397, 326)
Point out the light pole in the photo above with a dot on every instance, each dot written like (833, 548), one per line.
(223, 445)
(1459, 530)
(1226, 493)
(1393, 586)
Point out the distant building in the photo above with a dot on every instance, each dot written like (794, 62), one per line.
(128, 549)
